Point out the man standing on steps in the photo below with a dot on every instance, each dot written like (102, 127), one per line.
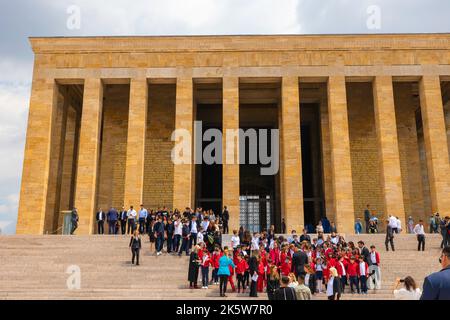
(142, 217)
(364, 251)
(74, 219)
(159, 235)
(437, 285)
(420, 233)
(389, 236)
(225, 219)
(100, 217)
(374, 268)
(367, 218)
(112, 218)
(123, 220)
(131, 215)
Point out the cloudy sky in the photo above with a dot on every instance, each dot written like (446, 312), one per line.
(20, 19)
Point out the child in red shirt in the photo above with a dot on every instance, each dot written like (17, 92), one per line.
(241, 268)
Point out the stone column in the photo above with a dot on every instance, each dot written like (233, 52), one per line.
(340, 155)
(386, 127)
(88, 154)
(230, 153)
(435, 137)
(33, 192)
(291, 155)
(137, 126)
(183, 151)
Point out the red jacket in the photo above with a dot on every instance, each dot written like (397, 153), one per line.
(353, 269)
(274, 255)
(241, 267)
(285, 267)
(215, 259)
(377, 257)
(206, 262)
(366, 266)
(340, 269)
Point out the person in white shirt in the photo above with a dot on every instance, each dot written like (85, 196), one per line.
(363, 272)
(177, 234)
(255, 241)
(409, 292)
(419, 231)
(200, 236)
(131, 215)
(235, 241)
(205, 223)
(399, 225)
(393, 223)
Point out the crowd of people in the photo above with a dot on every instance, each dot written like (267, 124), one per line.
(292, 268)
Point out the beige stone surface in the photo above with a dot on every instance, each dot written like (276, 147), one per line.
(137, 127)
(340, 154)
(183, 173)
(88, 155)
(291, 155)
(386, 126)
(435, 137)
(230, 153)
(33, 192)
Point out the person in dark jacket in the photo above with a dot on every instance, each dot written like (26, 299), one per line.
(253, 273)
(158, 229)
(285, 292)
(273, 282)
(135, 245)
(194, 263)
(123, 220)
(299, 260)
(437, 285)
(112, 216)
(225, 219)
(74, 219)
(185, 234)
(364, 251)
(170, 229)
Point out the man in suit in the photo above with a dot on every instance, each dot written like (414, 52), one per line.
(100, 217)
(299, 260)
(112, 218)
(364, 251)
(123, 220)
(225, 219)
(437, 285)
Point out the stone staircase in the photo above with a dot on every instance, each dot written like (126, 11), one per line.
(35, 267)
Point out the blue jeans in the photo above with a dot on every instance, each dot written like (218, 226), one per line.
(215, 276)
(176, 242)
(205, 276)
(184, 246)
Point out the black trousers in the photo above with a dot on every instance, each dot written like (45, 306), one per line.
(421, 242)
(223, 281)
(131, 226)
(135, 254)
(391, 241)
(101, 227)
(123, 226)
(253, 291)
(169, 242)
(74, 227)
(240, 282)
(225, 227)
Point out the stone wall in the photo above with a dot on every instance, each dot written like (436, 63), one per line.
(364, 149)
(113, 147)
(158, 167)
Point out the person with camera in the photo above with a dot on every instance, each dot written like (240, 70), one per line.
(409, 291)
